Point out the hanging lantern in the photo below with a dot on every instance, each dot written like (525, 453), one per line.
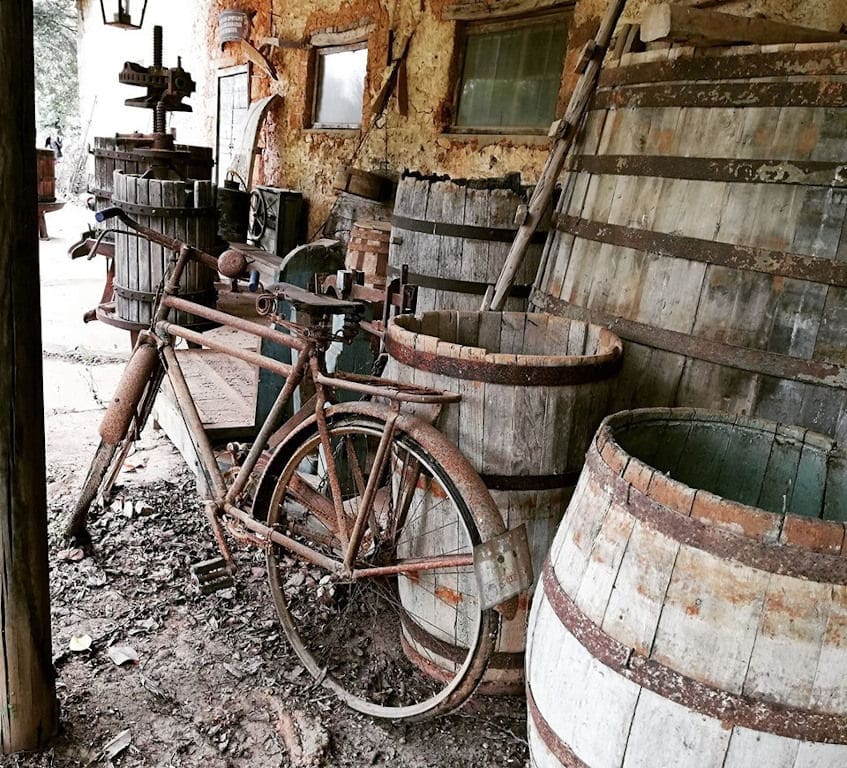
(120, 15)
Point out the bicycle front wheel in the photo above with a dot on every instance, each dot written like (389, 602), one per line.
(405, 637)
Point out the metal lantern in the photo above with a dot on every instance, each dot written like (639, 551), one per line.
(120, 14)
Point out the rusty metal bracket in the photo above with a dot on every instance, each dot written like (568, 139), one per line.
(503, 567)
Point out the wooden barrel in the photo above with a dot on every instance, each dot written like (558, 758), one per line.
(185, 210)
(46, 175)
(367, 251)
(123, 152)
(704, 217)
(693, 607)
(534, 388)
(455, 236)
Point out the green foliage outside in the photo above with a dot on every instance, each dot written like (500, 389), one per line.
(56, 80)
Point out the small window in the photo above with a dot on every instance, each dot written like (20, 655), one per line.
(511, 75)
(340, 86)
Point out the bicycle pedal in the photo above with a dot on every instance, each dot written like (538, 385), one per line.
(211, 575)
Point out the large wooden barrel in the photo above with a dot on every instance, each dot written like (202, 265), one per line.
(704, 221)
(693, 608)
(534, 388)
(185, 210)
(455, 236)
(46, 175)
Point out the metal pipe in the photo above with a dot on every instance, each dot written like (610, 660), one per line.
(307, 553)
(194, 423)
(407, 566)
(370, 491)
(165, 328)
(392, 393)
(329, 457)
(272, 419)
(239, 323)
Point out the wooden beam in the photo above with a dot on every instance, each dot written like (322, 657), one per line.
(697, 26)
(477, 10)
(28, 710)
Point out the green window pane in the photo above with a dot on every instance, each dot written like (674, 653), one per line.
(511, 77)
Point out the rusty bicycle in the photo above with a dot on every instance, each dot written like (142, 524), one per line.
(376, 530)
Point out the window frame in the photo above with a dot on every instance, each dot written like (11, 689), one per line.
(466, 28)
(325, 50)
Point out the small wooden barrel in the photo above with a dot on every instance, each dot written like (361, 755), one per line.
(692, 611)
(534, 388)
(367, 251)
(455, 236)
(185, 210)
(704, 216)
(46, 175)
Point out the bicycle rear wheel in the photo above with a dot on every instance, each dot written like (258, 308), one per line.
(359, 636)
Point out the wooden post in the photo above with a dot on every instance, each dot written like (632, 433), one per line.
(28, 710)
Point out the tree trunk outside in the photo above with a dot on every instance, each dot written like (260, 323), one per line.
(28, 710)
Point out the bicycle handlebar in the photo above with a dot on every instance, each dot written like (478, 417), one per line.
(109, 213)
(166, 241)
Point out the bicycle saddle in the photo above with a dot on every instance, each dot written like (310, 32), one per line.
(308, 301)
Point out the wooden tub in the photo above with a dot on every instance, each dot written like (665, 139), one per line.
(693, 609)
(534, 388)
(704, 221)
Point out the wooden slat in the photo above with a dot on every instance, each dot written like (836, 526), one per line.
(667, 21)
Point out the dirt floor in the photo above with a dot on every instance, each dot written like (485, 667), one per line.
(163, 676)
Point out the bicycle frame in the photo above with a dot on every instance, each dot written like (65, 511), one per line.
(225, 499)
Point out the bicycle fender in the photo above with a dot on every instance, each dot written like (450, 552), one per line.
(136, 375)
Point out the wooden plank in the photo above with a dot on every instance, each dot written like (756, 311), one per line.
(472, 425)
(778, 485)
(687, 738)
(475, 253)
(828, 690)
(835, 497)
(788, 644)
(748, 748)
(450, 264)
(601, 571)
(635, 606)
(811, 755)
(587, 694)
(701, 27)
(571, 549)
(748, 449)
(710, 619)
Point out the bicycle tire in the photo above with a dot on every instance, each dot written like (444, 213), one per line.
(354, 637)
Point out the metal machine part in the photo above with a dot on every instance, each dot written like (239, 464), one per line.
(166, 89)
